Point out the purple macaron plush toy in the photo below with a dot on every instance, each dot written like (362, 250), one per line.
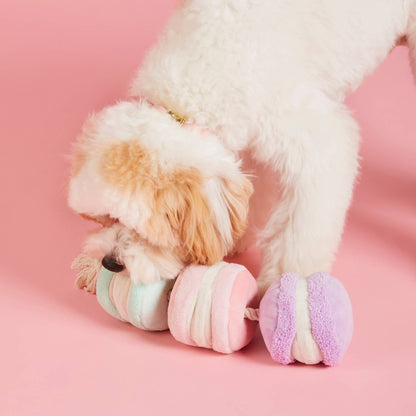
(306, 319)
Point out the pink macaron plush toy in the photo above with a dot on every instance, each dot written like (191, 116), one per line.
(308, 320)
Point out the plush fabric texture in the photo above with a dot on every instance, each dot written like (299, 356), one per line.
(148, 305)
(103, 297)
(207, 307)
(143, 305)
(223, 290)
(278, 317)
(182, 300)
(119, 292)
(200, 322)
(243, 295)
(331, 316)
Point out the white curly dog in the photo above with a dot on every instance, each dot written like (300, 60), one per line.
(235, 93)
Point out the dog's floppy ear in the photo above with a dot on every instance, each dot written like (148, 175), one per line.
(207, 224)
(181, 208)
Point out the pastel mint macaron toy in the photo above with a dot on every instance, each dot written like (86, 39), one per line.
(308, 320)
(143, 305)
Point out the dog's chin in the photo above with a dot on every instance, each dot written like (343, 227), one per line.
(141, 261)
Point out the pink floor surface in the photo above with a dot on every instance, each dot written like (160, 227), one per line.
(61, 354)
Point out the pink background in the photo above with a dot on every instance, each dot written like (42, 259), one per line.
(62, 354)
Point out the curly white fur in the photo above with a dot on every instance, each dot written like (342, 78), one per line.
(267, 78)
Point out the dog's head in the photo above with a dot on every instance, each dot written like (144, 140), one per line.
(165, 194)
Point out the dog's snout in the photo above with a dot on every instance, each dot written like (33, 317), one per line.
(110, 263)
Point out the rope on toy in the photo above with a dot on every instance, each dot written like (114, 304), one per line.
(251, 314)
(87, 270)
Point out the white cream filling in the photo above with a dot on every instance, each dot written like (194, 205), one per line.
(304, 347)
(200, 327)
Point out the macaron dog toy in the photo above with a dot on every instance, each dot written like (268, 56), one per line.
(301, 319)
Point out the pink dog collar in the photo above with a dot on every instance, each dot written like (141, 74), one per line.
(181, 120)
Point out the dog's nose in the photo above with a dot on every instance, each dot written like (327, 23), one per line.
(110, 263)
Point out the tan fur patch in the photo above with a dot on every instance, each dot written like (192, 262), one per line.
(126, 165)
(180, 214)
(181, 210)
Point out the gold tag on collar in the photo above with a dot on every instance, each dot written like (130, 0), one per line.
(177, 117)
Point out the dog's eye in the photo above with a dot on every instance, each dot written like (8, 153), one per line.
(104, 220)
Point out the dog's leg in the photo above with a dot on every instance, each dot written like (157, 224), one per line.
(265, 196)
(317, 163)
